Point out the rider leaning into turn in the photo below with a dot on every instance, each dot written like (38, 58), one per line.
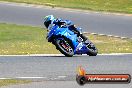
(49, 21)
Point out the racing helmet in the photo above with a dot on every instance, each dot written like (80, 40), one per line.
(47, 20)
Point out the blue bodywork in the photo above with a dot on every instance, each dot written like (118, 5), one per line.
(79, 47)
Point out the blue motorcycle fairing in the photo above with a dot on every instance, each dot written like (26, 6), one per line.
(79, 48)
(65, 32)
(51, 32)
(69, 34)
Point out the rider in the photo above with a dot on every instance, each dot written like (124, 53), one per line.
(50, 21)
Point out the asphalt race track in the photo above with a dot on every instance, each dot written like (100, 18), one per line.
(89, 21)
(60, 71)
(37, 66)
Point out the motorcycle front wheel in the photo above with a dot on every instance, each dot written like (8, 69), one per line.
(64, 46)
(92, 50)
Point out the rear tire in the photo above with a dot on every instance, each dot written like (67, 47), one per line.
(66, 51)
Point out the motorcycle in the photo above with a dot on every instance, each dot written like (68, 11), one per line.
(68, 43)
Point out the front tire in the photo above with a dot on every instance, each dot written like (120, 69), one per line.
(92, 49)
(64, 46)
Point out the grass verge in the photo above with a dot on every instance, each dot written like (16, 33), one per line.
(12, 82)
(19, 40)
(124, 6)
(107, 44)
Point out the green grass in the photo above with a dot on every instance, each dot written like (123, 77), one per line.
(12, 82)
(111, 45)
(124, 6)
(23, 40)
(16, 39)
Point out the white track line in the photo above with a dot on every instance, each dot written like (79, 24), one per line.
(104, 54)
(4, 78)
(36, 55)
(23, 78)
(57, 77)
(61, 76)
(30, 77)
(114, 54)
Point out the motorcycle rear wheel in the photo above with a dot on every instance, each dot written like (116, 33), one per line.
(63, 45)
